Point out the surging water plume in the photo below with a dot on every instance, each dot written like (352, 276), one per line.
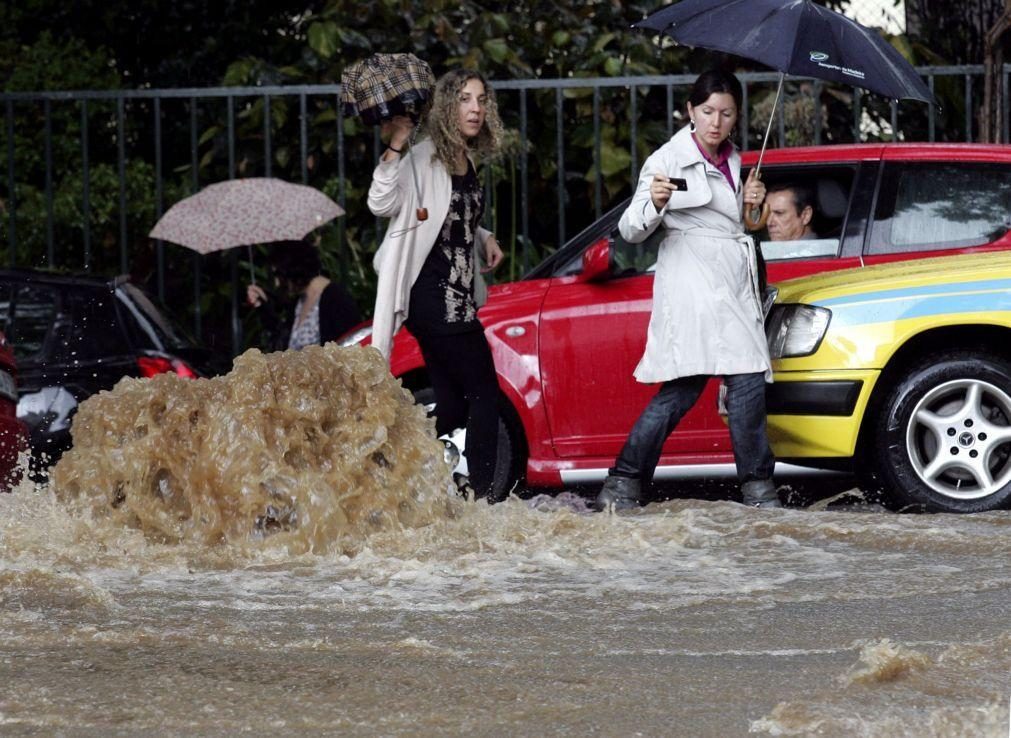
(312, 450)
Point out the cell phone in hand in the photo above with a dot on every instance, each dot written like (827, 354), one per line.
(679, 183)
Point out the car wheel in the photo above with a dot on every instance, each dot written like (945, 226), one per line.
(510, 462)
(943, 439)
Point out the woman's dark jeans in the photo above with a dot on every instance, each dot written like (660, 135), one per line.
(746, 411)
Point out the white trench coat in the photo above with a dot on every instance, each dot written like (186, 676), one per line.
(408, 241)
(707, 313)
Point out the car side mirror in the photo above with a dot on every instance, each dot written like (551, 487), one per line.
(597, 261)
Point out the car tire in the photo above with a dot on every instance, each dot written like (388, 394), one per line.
(510, 464)
(943, 435)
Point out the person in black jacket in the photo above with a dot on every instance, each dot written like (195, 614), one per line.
(324, 310)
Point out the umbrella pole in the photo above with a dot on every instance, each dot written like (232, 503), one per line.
(754, 218)
(768, 128)
(252, 273)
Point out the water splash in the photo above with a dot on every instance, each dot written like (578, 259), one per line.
(308, 450)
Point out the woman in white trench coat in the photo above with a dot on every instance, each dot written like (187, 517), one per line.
(707, 313)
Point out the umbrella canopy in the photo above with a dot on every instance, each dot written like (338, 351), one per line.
(243, 212)
(795, 37)
(385, 85)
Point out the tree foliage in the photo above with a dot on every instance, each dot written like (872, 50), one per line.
(50, 45)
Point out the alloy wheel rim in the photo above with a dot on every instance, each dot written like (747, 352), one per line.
(958, 439)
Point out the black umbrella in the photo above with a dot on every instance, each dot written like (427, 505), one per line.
(795, 37)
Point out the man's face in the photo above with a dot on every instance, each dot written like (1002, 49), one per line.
(784, 223)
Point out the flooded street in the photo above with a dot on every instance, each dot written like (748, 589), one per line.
(533, 617)
(692, 618)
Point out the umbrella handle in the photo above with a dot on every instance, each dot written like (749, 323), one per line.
(755, 218)
(422, 212)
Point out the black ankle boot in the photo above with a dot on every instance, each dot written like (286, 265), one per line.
(760, 493)
(619, 493)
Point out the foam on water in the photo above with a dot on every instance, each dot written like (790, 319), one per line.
(312, 449)
(900, 690)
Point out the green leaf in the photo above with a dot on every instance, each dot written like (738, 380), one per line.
(207, 159)
(323, 38)
(613, 159)
(497, 49)
(561, 38)
(209, 134)
(325, 116)
(351, 37)
(613, 67)
(238, 73)
(603, 41)
(282, 156)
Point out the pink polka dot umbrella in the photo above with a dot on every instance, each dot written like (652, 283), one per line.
(244, 212)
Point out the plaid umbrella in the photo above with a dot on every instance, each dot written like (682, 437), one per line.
(385, 85)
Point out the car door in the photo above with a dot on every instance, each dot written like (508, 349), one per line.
(938, 208)
(592, 337)
(593, 334)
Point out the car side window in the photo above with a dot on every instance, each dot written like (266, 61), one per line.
(934, 206)
(822, 194)
(636, 258)
(34, 315)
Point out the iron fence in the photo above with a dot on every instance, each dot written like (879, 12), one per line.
(89, 172)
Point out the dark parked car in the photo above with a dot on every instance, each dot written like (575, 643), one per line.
(74, 336)
(13, 435)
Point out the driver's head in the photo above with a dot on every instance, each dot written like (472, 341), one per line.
(791, 209)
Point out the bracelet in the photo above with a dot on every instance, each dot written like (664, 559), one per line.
(396, 151)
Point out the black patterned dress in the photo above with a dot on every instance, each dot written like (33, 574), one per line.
(442, 298)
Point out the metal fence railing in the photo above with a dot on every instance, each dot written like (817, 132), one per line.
(89, 172)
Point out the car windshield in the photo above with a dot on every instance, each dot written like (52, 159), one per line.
(159, 331)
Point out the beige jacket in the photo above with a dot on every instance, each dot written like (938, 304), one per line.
(707, 315)
(408, 241)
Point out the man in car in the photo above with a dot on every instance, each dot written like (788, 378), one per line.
(791, 209)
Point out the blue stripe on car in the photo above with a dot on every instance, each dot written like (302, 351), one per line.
(892, 305)
(922, 290)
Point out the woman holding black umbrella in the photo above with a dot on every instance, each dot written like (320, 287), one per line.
(429, 263)
(707, 315)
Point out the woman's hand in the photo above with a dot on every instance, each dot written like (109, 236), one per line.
(255, 295)
(659, 191)
(754, 191)
(397, 131)
(492, 254)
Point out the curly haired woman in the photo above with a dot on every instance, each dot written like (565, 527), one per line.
(429, 273)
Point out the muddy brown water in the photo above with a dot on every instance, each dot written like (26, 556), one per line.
(275, 552)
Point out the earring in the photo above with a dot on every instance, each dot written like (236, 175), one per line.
(691, 126)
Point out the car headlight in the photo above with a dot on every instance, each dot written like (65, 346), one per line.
(796, 330)
(355, 337)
